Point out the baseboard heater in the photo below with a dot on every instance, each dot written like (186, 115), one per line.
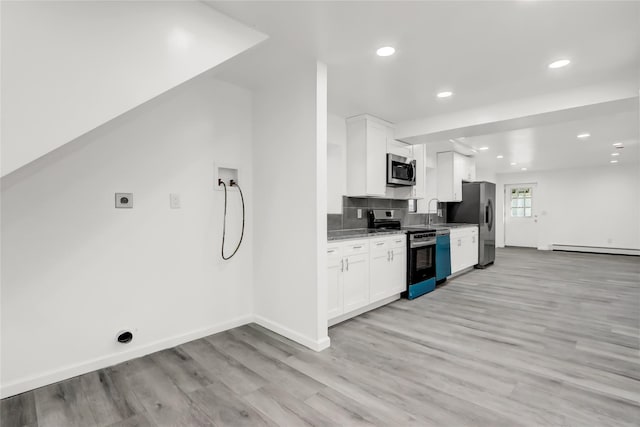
(596, 249)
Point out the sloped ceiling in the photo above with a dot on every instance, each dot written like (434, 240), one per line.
(68, 67)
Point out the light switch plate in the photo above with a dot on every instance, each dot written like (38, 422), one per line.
(174, 201)
(124, 200)
(359, 212)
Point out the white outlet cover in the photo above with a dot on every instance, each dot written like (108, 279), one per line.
(124, 200)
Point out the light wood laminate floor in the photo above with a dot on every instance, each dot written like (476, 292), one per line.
(539, 339)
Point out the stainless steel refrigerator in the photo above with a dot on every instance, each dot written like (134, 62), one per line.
(478, 207)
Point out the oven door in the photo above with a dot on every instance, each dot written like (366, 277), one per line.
(421, 264)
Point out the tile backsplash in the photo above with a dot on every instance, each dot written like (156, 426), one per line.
(350, 206)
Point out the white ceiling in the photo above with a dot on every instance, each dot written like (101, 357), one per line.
(557, 146)
(485, 52)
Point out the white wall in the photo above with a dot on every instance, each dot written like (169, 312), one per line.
(75, 271)
(336, 163)
(486, 175)
(68, 67)
(290, 191)
(594, 207)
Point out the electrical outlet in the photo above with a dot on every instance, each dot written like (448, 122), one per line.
(174, 201)
(124, 200)
(359, 212)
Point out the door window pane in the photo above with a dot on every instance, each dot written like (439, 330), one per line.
(521, 204)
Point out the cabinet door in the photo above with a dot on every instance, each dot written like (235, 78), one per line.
(335, 265)
(473, 249)
(459, 171)
(398, 272)
(419, 188)
(380, 267)
(400, 148)
(356, 281)
(457, 253)
(376, 159)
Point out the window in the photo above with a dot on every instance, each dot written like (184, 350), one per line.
(521, 202)
(413, 205)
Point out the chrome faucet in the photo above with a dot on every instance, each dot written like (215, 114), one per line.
(429, 208)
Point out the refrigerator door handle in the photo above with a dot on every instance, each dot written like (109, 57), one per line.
(489, 214)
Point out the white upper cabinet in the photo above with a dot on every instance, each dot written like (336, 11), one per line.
(367, 139)
(400, 148)
(453, 168)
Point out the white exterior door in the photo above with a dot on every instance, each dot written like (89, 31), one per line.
(520, 216)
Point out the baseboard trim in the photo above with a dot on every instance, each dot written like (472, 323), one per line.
(596, 249)
(361, 310)
(276, 327)
(70, 371)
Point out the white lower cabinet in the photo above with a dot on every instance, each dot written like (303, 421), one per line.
(388, 266)
(356, 281)
(335, 267)
(363, 272)
(464, 248)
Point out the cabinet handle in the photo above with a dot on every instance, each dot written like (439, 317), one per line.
(398, 241)
(342, 265)
(357, 247)
(347, 264)
(391, 254)
(379, 243)
(330, 251)
(388, 255)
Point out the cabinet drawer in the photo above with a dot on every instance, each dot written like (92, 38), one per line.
(398, 241)
(353, 247)
(334, 249)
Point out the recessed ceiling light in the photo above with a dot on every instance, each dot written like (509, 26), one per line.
(444, 94)
(499, 156)
(584, 135)
(385, 51)
(615, 154)
(559, 63)
(513, 163)
(483, 148)
(523, 169)
(613, 161)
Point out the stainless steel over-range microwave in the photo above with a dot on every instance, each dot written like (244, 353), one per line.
(401, 171)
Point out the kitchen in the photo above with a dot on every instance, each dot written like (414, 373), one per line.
(265, 94)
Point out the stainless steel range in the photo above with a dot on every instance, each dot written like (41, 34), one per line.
(421, 262)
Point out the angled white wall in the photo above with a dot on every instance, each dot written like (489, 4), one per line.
(290, 152)
(75, 270)
(68, 67)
